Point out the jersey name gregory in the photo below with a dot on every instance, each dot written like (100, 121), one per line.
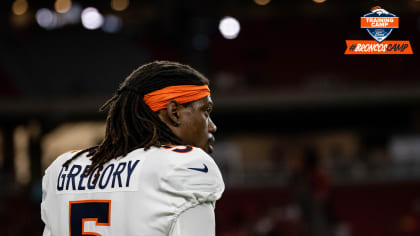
(113, 177)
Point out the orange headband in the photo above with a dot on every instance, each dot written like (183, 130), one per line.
(159, 99)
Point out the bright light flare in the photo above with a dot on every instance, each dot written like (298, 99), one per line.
(262, 2)
(119, 5)
(229, 27)
(91, 18)
(319, 1)
(62, 6)
(20, 7)
(45, 18)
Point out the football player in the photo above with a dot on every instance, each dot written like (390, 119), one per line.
(151, 174)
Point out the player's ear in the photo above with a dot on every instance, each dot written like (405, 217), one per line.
(173, 110)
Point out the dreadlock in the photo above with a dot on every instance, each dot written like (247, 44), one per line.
(130, 123)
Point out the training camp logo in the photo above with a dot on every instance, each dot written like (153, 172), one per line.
(379, 23)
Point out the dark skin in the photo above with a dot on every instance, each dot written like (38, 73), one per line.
(191, 123)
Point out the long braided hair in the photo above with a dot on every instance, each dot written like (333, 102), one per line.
(130, 123)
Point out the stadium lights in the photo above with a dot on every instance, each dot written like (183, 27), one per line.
(229, 27)
(62, 6)
(262, 2)
(91, 18)
(49, 20)
(112, 24)
(20, 7)
(72, 16)
(46, 18)
(119, 5)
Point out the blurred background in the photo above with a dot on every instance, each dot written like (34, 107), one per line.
(310, 141)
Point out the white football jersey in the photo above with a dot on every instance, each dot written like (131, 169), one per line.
(142, 193)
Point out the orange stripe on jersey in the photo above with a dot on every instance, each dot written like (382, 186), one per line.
(185, 149)
(72, 151)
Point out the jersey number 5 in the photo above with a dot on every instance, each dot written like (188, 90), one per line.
(88, 210)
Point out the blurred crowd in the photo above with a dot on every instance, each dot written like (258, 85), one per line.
(280, 188)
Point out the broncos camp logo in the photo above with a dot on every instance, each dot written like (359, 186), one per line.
(379, 23)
